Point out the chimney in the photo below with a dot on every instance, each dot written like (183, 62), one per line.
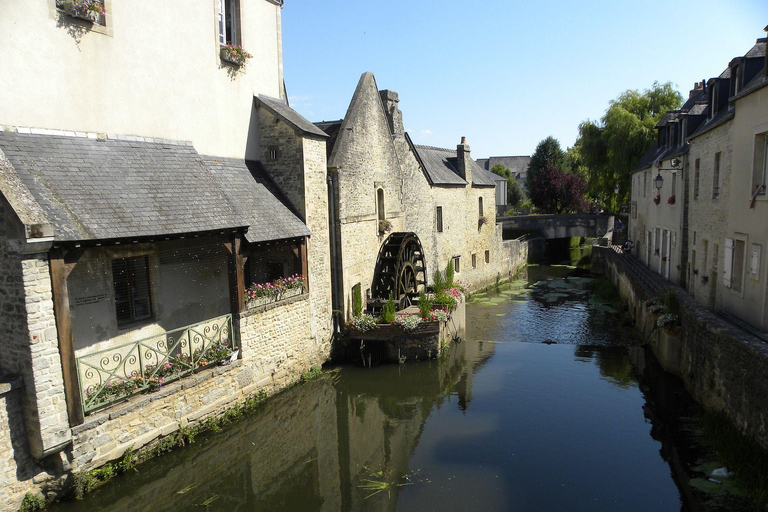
(390, 100)
(464, 161)
(697, 87)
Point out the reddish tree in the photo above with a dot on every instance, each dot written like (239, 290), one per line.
(555, 191)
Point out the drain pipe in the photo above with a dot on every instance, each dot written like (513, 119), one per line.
(335, 284)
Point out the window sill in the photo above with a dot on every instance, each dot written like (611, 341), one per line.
(255, 309)
(88, 24)
(228, 58)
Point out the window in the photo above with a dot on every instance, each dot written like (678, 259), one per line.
(760, 165)
(457, 264)
(733, 275)
(705, 262)
(474, 260)
(713, 99)
(633, 209)
(645, 183)
(754, 261)
(696, 174)
(487, 256)
(133, 300)
(273, 154)
(439, 213)
(480, 206)
(716, 178)
(229, 16)
(380, 204)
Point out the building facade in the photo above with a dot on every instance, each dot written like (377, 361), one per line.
(717, 161)
(135, 213)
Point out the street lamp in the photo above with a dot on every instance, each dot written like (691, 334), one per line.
(658, 182)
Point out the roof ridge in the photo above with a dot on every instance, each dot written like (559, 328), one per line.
(25, 130)
(421, 146)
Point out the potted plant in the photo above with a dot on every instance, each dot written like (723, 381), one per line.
(384, 226)
(481, 221)
(88, 10)
(234, 54)
(671, 199)
(657, 199)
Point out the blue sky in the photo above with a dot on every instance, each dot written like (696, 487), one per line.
(505, 74)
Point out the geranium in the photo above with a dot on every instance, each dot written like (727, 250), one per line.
(407, 321)
(657, 199)
(363, 323)
(671, 199)
(81, 7)
(384, 226)
(275, 288)
(236, 53)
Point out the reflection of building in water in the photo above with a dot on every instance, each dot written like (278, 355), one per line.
(311, 447)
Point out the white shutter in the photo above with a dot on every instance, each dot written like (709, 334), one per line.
(222, 28)
(728, 264)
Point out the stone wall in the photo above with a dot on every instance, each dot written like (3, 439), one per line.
(717, 361)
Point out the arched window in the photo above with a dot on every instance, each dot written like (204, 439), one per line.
(380, 204)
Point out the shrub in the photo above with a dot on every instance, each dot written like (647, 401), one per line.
(388, 311)
(449, 274)
(438, 281)
(425, 306)
(672, 303)
(357, 301)
(31, 502)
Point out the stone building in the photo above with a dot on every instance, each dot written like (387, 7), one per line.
(133, 216)
(722, 227)
(398, 211)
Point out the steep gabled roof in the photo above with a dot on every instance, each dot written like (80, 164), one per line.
(441, 169)
(97, 189)
(281, 109)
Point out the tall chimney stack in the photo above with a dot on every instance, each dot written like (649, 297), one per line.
(464, 161)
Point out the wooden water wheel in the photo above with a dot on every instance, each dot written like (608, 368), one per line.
(400, 269)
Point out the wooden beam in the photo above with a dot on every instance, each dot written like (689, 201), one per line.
(236, 274)
(61, 264)
(304, 264)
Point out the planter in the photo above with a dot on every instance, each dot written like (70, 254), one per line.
(81, 13)
(233, 57)
(271, 299)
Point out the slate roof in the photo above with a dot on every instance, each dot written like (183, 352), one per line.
(255, 198)
(441, 169)
(96, 189)
(517, 164)
(281, 108)
(331, 128)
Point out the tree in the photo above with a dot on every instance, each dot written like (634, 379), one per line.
(555, 191)
(548, 153)
(514, 193)
(611, 148)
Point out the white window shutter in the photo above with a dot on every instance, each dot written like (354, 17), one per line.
(728, 264)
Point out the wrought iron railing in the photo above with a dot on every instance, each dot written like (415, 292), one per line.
(111, 375)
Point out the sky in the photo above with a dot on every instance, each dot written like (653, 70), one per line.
(504, 73)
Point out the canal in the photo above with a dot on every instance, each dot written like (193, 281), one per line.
(548, 404)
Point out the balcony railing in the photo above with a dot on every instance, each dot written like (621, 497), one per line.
(111, 375)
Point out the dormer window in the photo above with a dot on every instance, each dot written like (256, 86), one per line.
(713, 100)
(736, 79)
(681, 131)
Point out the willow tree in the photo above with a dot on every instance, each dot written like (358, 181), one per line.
(611, 148)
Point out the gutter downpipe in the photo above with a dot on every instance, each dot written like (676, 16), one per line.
(335, 284)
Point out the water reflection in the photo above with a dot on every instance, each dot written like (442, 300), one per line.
(499, 423)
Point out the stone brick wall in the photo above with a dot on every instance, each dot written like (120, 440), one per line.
(30, 340)
(707, 218)
(717, 361)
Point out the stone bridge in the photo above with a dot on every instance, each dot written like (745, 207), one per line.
(588, 225)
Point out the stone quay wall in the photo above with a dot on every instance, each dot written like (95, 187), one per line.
(720, 364)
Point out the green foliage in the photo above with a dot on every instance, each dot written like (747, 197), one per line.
(672, 302)
(357, 300)
(314, 373)
(438, 281)
(425, 306)
(608, 150)
(388, 311)
(548, 153)
(449, 275)
(515, 194)
(32, 502)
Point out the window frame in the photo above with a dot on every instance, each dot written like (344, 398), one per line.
(717, 182)
(457, 264)
(231, 34)
(696, 177)
(439, 219)
(127, 277)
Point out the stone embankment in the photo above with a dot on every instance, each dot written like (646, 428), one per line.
(721, 365)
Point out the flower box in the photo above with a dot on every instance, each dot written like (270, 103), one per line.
(657, 199)
(385, 226)
(270, 299)
(234, 54)
(87, 10)
(671, 199)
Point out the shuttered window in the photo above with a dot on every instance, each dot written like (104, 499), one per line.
(133, 300)
(728, 263)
